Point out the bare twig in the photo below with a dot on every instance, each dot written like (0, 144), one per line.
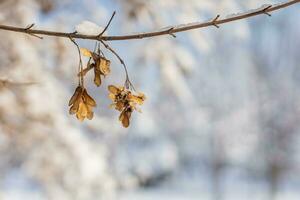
(106, 27)
(170, 32)
(266, 10)
(175, 29)
(128, 83)
(27, 30)
(29, 26)
(80, 67)
(215, 20)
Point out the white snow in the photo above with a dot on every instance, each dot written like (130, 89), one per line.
(89, 28)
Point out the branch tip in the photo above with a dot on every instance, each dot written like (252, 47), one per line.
(29, 27)
(169, 31)
(216, 18)
(173, 35)
(106, 27)
(214, 21)
(34, 35)
(265, 10)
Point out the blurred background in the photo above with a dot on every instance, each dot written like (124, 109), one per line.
(221, 121)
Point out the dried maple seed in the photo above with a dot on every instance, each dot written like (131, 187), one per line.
(88, 99)
(125, 102)
(97, 77)
(82, 104)
(104, 66)
(100, 64)
(75, 95)
(86, 52)
(113, 89)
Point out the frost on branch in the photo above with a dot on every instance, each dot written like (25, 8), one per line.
(89, 28)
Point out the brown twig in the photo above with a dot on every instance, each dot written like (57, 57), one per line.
(106, 27)
(266, 10)
(128, 83)
(170, 32)
(27, 30)
(215, 20)
(166, 31)
(80, 66)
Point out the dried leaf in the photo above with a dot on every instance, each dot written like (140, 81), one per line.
(121, 116)
(97, 77)
(112, 96)
(75, 106)
(82, 104)
(82, 109)
(137, 99)
(125, 119)
(119, 105)
(73, 110)
(86, 52)
(88, 99)
(113, 89)
(125, 102)
(121, 88)
(76, 94)
(90, 113)
(80, 117)
(97, 64)
(142, 96)
(104, 66)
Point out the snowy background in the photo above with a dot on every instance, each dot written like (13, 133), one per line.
(222, 118)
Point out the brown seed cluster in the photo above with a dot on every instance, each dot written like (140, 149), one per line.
(81, 104)
(125, 102)
(99, 63)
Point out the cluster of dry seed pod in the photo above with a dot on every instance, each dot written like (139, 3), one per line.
(124, 99)
(82, 104)
(125, 102)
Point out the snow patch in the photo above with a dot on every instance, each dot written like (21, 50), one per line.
(89, 28)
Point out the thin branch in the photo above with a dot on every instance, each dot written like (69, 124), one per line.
(215, 20)
(266, 10)
(29, 26)
(27, 30)
(165, 31)
(106, 27)
(80, 67)
(170, 32)
(128, 83)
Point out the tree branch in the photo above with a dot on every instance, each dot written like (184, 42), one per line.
(217, 21)
(106, 27)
